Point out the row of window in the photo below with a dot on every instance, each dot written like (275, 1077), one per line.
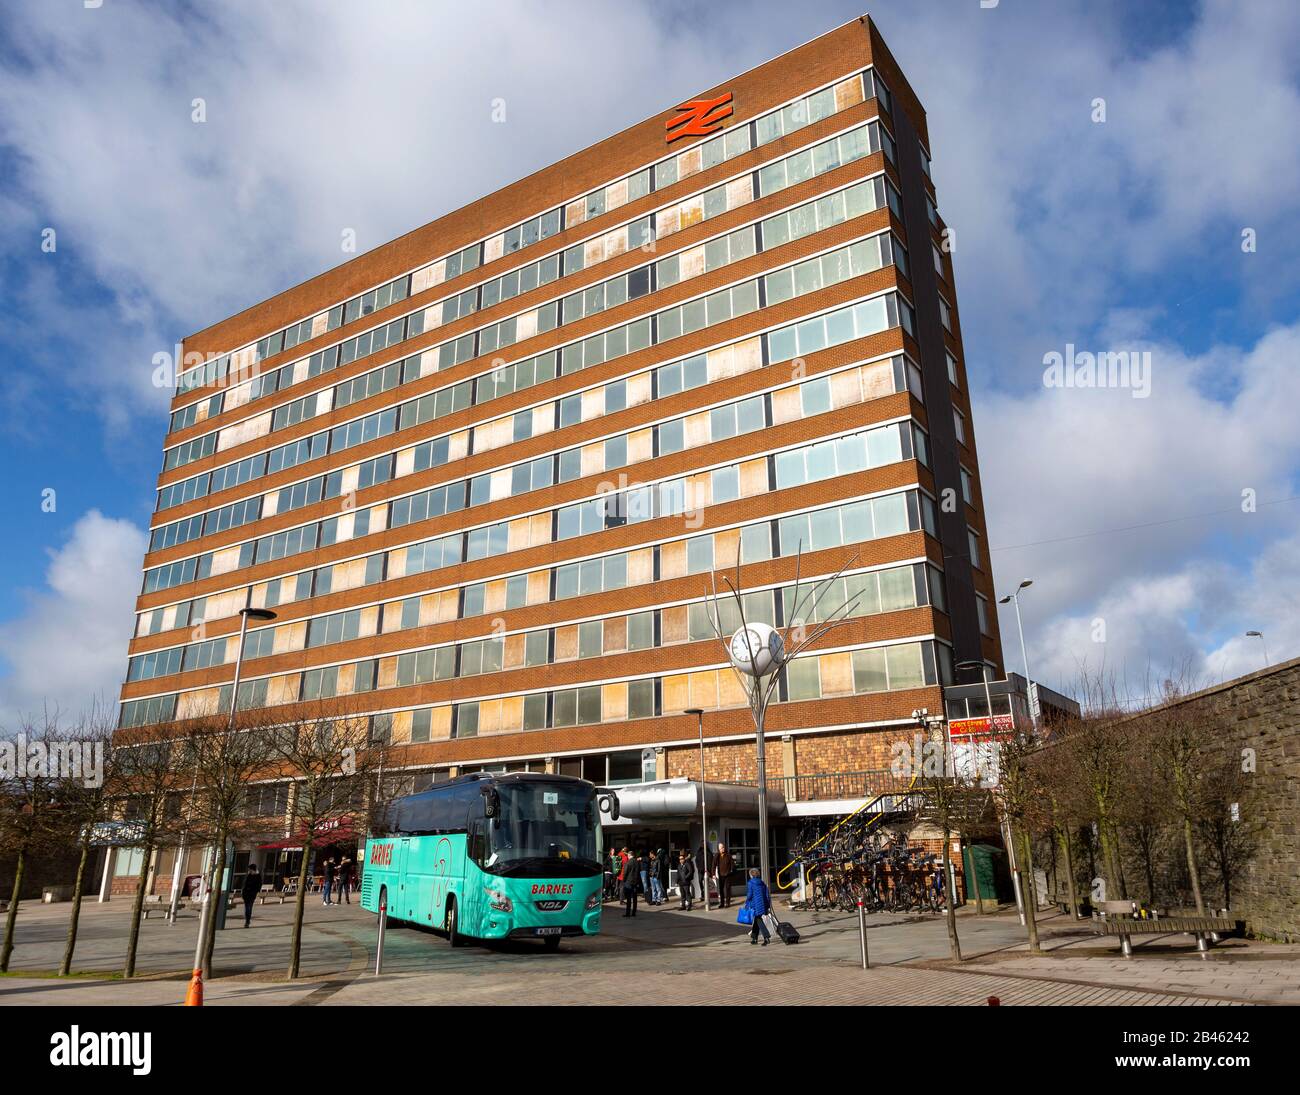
(646, 442)
(846, 148)
(816, 396)
(857, 200)
(843, 455)
(844, 324)
(896, 667)
(702, 156)
(832, 526)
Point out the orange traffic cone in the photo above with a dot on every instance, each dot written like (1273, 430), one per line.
(194, 998)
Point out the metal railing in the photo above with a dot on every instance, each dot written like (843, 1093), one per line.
(833, 785)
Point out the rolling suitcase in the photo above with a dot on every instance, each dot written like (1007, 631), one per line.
(788, 935)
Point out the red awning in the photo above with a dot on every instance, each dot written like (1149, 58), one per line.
(327, 831)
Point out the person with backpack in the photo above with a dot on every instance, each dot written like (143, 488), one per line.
(759, 901)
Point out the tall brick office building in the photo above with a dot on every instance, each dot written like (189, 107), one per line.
(482, 474)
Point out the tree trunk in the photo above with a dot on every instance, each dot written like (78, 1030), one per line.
(1029, 892)
(19, 868)
(214, 897)
(137, 907)
(295, 939)
(954, 945)
(969, 849)
(65, 967)
(1069, 872)
(1149, 866)
(1110, 859)
(1193, 869)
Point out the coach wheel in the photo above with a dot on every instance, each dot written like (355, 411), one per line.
(453, 924)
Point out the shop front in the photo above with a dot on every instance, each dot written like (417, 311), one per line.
(667, 815)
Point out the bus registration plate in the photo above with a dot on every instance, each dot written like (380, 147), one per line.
(548, 931)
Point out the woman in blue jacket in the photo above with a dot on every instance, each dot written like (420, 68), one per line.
(759, 901)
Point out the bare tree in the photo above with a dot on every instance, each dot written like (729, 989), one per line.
(227, 755)
(333, 764)
(1183, 745)
(148, 767)
(89, 803)
(1020, 790)
(1143, 813)
(1098, 752)
(955, 803)
(29, 813)
(1227, 826)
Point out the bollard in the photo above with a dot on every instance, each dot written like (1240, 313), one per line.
(379, 948)
(994, 1002)
(194, 996)
(862, 934)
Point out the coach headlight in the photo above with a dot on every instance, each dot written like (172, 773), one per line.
(499, 901)
(593, 900)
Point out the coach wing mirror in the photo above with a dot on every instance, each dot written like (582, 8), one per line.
(491, 802)
(609, 804)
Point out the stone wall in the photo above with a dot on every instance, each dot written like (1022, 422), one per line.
(1261, 712)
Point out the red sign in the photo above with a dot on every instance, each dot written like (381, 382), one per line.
(545, 888)
(1002, 724)
(381, 855)
(699, 117)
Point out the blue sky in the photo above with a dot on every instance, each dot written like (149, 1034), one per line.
(1124, 234)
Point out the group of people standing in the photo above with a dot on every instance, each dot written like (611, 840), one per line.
(338, 880)
(632, 873)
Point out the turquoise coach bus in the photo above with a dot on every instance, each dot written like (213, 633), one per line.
(490, 856)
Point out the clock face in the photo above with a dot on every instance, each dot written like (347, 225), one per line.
(741, 650)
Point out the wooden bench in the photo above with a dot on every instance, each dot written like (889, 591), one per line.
(1205, 929)
(156, 902)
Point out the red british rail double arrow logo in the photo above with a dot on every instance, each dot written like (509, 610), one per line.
(699, 117)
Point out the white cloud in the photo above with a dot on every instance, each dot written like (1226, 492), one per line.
(1066, 231)
(66, 648)
(1185, 565)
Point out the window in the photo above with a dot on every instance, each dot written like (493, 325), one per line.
(982, 613)
(973, 541)
(959, 425)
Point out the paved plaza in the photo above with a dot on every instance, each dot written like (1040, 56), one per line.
(663, 956)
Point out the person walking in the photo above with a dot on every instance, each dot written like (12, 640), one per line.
(685, 878)
(643, 865)
(328, 888)
(703, 870)
(662, 880)
(345, 878)
(252, 887)
(723, 865)
(631, 883)
(759, 900)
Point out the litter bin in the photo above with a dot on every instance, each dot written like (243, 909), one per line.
(51, 894)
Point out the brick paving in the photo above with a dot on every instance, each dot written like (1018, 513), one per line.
(661, 957)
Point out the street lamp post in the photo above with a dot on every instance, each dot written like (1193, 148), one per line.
(698, 712)
(1029, 681)
(1260, 636)
(215, 890)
